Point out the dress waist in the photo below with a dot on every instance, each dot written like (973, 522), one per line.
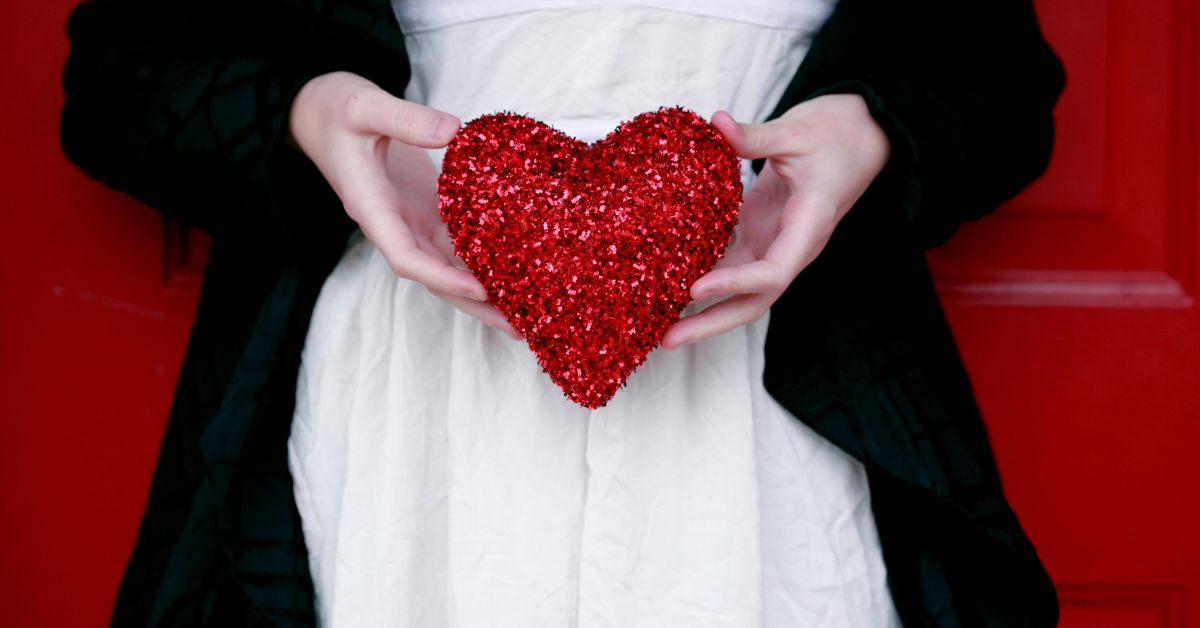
(583, 70)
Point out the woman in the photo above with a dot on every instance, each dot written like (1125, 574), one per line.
(187, 109)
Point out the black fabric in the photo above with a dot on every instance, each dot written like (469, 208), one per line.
(182, 105)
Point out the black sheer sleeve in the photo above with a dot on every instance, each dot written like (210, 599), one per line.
(184, 104)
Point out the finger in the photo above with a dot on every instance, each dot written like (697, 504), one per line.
(485, 312)
(445, 246)
(735, 255)
(762, 276)
(758, 219)
(804, 229)
(447, 259)
(750, 140)
(801, 235)
(769, 191)
(432, 246)
(717, 319)
(434, 272)
(375, 111)
(378, 215)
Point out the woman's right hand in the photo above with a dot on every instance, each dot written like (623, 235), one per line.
(368, 145)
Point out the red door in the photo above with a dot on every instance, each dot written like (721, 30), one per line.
(1074, 306)
(96, 298)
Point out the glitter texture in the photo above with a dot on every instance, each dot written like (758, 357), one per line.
(589, 250)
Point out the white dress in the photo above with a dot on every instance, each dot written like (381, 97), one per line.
(444, 481)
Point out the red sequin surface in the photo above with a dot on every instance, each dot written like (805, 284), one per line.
(590, 250)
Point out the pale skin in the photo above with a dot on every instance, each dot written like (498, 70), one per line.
(821, 155)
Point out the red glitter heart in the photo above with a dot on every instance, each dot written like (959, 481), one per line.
(589, 250)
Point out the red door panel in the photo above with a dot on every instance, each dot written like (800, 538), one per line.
(95, 304)
(1074, 307)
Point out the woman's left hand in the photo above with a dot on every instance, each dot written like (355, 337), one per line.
(820, 157)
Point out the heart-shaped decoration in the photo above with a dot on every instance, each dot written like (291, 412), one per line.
(590, 250)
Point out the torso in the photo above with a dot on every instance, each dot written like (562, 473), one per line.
(444, 480)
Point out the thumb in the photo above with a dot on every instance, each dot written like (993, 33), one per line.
(748, 140)
(377, 111)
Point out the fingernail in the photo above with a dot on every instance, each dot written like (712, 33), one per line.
(445, 128)
(469, 291)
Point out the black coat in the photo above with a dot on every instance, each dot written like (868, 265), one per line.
(182, 105)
